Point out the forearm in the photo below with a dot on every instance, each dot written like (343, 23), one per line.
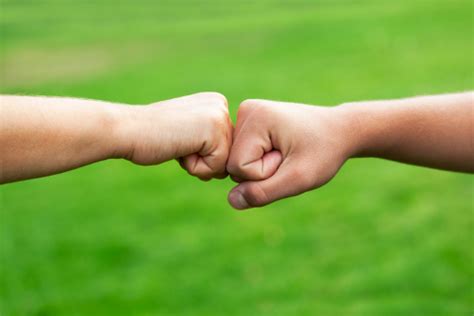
(45, 135)
(433, 131)
(41, 136)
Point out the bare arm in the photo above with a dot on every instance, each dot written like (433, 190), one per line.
(284, 149)
(432, 131)
(40, 136)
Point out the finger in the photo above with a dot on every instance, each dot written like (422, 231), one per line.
(209, 163)
(211, 160)
(216, 160)
(252, 156)
(203, 167)
(289, 180)
(260, 169)
(189, 166)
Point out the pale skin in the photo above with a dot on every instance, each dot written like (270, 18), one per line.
(279, 149)
(40, 136)
(284, 149)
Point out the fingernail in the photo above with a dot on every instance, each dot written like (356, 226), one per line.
(238, 201)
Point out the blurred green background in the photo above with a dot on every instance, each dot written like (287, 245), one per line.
(116, 239)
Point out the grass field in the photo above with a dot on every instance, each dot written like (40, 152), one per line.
(116, 239)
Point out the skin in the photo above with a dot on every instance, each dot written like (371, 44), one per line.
(41, 136)
(280, 149)
(284, 149)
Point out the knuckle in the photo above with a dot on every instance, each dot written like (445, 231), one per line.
(216, 96)
(248, 104)
(219, 161)
(218, 132)
(220, 114)
(215, 164)
(256, 106)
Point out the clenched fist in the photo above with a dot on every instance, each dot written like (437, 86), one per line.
(279, 150)
(41, 136)
(283, 149)
(194, 129)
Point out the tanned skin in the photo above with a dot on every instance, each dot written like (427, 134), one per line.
(284, 149)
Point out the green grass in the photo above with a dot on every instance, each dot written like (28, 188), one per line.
(116, 239)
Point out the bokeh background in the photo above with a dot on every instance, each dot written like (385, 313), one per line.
(116, 239)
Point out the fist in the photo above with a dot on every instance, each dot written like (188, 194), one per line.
(194, 129)
(283, 149)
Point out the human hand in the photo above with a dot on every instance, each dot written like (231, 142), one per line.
(281, 149)
(284, 149)
(194, 129)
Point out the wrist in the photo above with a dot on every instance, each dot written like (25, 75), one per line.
(120, 126)
(359, 131)
(376, 126)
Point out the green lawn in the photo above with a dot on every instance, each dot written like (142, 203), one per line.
(116, 239)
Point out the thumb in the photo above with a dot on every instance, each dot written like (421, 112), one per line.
(289, 180)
